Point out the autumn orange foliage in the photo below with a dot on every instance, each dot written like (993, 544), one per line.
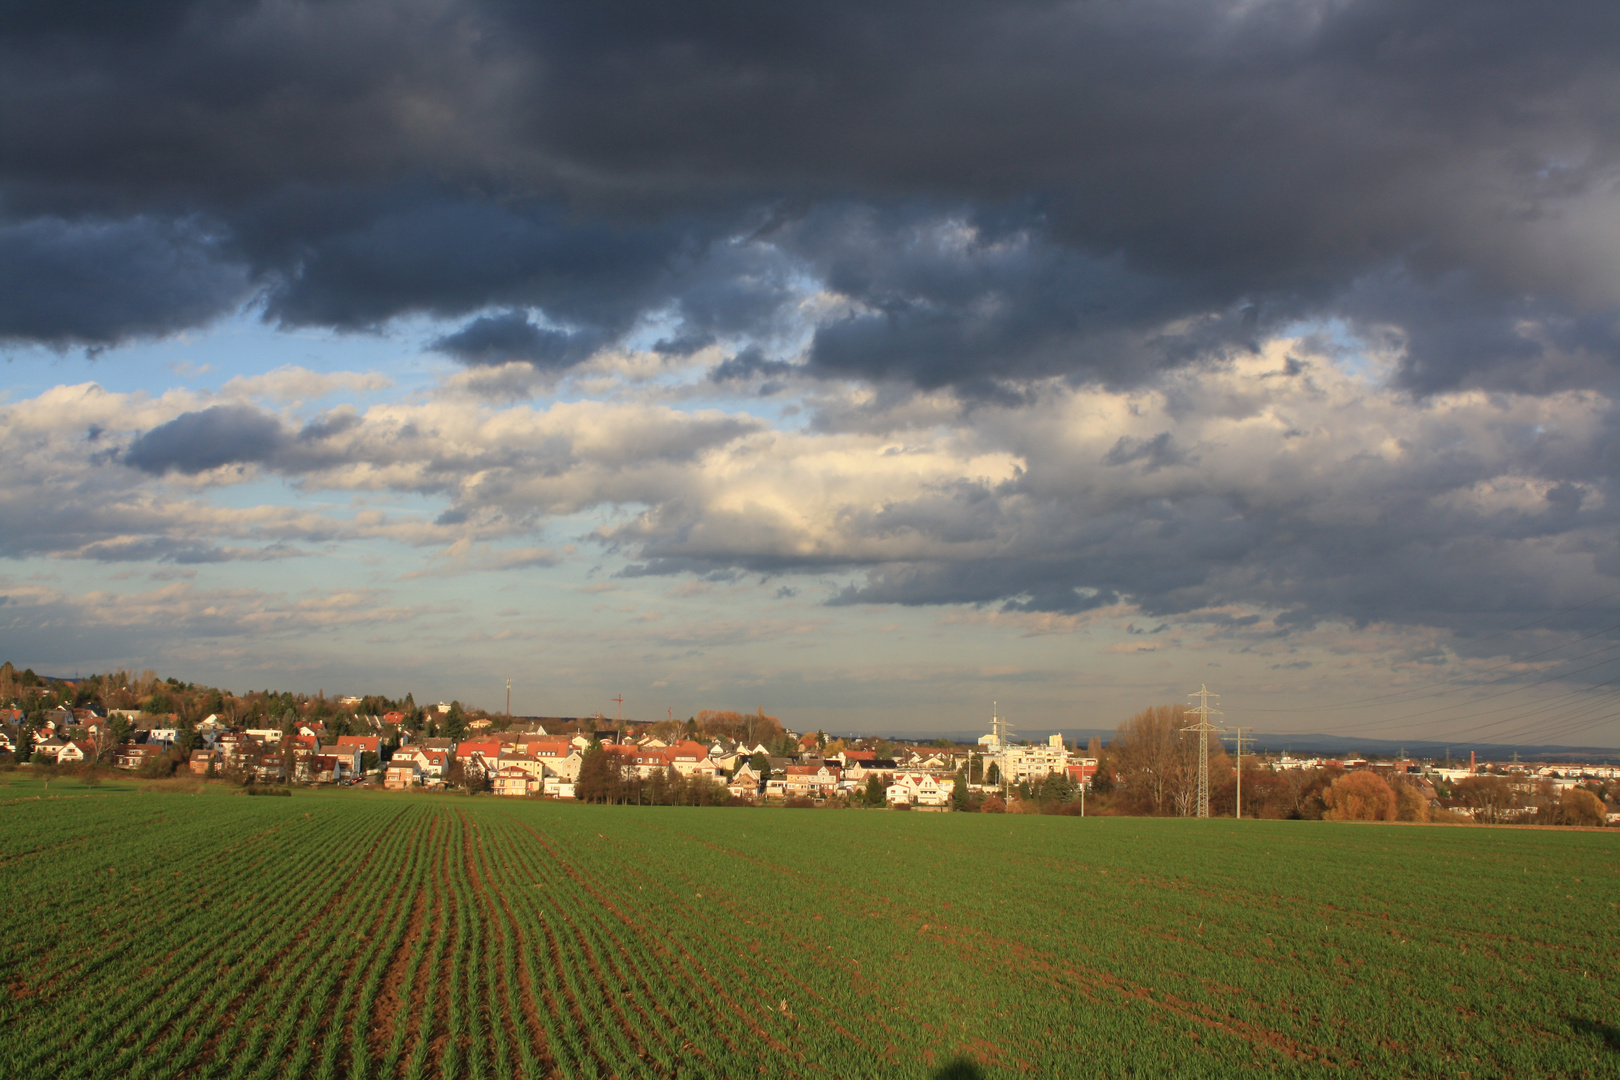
(1359, 796)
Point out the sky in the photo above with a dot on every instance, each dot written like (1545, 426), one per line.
(874, 364)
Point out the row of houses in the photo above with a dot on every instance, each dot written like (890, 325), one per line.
(537, 763)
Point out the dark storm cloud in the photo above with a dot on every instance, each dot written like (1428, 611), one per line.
(1143, 185)
(355, 259)
(952, 295)
(195, 442)
(238, 434)
(747, 364)
(96, 282)
(498, 339)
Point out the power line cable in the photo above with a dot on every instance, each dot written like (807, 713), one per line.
(1417, 694)
(1489, 697)
(1564, 712)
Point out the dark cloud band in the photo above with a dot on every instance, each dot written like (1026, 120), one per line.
(999, 191)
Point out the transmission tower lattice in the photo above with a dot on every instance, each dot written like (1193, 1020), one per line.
(1204, 729)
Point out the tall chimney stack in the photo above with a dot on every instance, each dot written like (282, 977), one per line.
(1470, 761)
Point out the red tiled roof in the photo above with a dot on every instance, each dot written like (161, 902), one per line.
(479, 746)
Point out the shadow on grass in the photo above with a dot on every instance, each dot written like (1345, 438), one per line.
(960, 1069)
(1595, 1028)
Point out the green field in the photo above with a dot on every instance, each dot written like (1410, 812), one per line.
(351, 934)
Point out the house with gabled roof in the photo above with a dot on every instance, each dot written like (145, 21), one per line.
(48, 747)
(268, 768)
(510, 779)
(726, 754)
(691, 759)
(560, 758)
(366, 744)
(557, 788)
(919, 789)
(919, 761)
(856, 773)
(347, 756)
(528, 764)
(811, 781)
(75, 750)
(745, 783)
(166, 729)
(485, 747)
(649, 760)
(402, 773)
(134, 755)
(431, 763)
(331, 768)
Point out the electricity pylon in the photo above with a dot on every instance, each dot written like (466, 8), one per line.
(1204, 729)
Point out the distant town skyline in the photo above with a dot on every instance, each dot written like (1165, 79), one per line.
(867, 367)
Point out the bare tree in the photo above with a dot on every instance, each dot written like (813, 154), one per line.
(1157, 761)
(1151, 760)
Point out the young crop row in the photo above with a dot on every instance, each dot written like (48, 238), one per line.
(339, 935)
(217, 909)
(1040, 952)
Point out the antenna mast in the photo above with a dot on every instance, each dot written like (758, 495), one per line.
(1204, 730)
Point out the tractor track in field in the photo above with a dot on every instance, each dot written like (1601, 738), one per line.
(661, 947)
(478, 874)
(421, 988)
(393, 994)
(1079, 977)
(554, 956)
(611, 990)
(642, 991)
(439, 1034)
(1083, 979)
(382, 925)
(526, 995)
(824, 1007)
(226, 1021)
(747, 915)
